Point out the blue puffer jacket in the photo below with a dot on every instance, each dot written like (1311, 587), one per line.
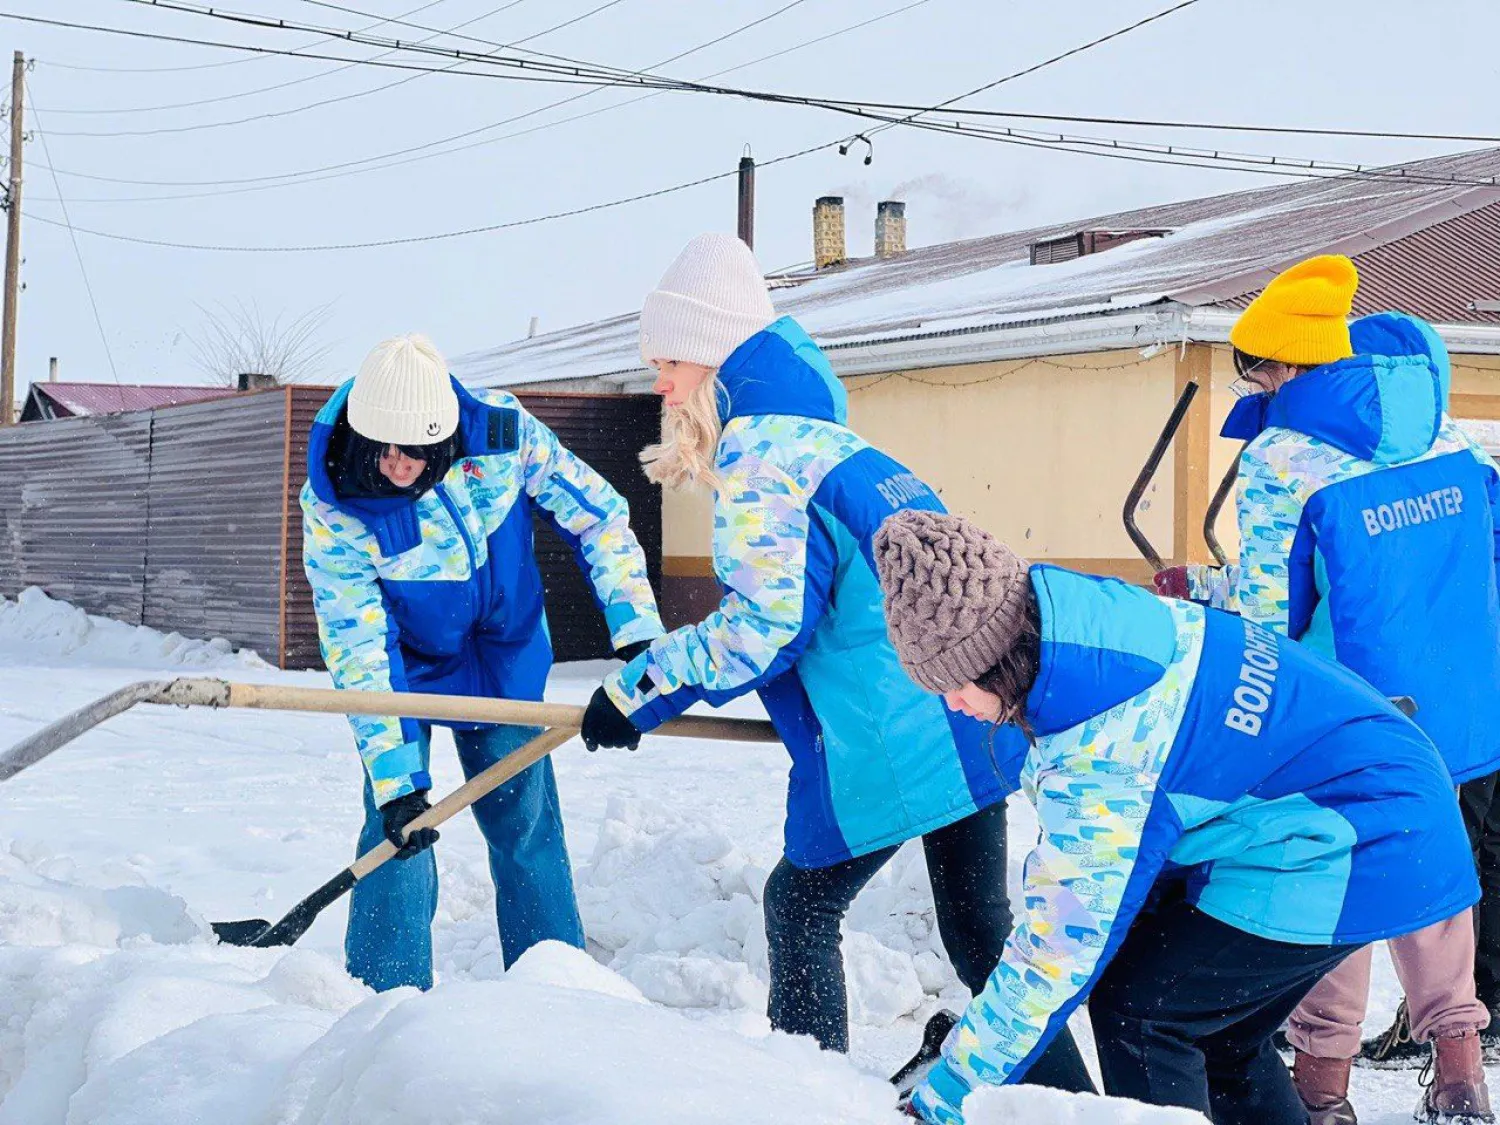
(1180, 743)
(1370, 531)
(875, 760)
(442, 593)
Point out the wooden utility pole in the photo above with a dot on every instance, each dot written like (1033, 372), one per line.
(12, 244)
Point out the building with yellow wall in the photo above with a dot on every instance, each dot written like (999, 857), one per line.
(1027, 375)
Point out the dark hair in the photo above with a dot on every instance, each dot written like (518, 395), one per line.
(354, 464)
(1014, 675)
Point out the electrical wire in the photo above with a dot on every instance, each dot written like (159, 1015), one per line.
(226, 62)
(385, 159)
(440, 237)
(1116, 34)
(384, 164)
(73, 235)
(251, 93)
(393, 159)
(295, 110)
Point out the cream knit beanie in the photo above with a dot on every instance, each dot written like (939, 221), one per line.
(710, 301)
(403, 395)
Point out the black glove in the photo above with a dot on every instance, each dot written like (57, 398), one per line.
(398, 814)
(629, 652)
(603, 725)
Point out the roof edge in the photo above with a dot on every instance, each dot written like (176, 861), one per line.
(1442, 211)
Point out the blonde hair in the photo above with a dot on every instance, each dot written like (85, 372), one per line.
(684, 458)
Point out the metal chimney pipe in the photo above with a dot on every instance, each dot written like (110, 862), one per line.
(828, 232)
(52, 370)
(531, 330)
(747, 200)
(890, 228)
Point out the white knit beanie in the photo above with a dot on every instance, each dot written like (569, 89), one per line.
(710, 301)
(402, 394)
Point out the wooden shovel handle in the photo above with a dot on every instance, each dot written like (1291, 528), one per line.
(480, 785)
(442, 708)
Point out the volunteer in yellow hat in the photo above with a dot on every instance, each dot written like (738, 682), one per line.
(1346, 548)
(1300, 321)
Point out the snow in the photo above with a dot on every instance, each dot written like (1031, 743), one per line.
(117, 1008)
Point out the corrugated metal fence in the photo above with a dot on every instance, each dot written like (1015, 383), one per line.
(187, 518)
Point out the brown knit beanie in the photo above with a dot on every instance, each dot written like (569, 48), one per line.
(955, 597)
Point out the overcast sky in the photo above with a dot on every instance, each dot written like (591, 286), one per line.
(1363, 64)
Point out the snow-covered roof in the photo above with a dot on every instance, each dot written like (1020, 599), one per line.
(1441, 216)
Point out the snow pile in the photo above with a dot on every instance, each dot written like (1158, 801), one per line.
(675, 907)
(1032, 1105)
(36, 626)
(102, 1025)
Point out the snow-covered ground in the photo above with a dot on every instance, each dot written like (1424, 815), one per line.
(116, 1009)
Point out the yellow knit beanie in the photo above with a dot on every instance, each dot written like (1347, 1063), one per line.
(1302, 316)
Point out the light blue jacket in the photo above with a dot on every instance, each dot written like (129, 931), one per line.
(875, 760)
(442, 593)
(1180, 743)
(1370, 531)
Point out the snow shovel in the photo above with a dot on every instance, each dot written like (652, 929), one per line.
(1148, 470)
(262, 934)
(412, 705)
(562, 721)
(1403, 703)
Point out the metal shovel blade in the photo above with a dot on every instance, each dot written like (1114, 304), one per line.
(240, 933)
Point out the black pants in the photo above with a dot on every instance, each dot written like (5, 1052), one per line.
(1184, 1014)
(805, 906)
(1480, 801)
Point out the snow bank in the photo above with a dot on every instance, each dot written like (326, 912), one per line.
(118, 1011)
(674, 906)
(1032, 1105)
(35, 626)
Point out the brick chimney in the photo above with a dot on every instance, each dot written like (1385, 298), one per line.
(890, 228)
(828, 232)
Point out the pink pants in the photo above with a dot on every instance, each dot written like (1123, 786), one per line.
(1436, 969)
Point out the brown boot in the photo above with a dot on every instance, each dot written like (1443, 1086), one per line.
(1456, 1093)
(1323, 1086)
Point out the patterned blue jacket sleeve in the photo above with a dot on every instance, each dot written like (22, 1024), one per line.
(1212, 585)
(595, 520)
(1106, 829)
(1270, 501)
(360, 648)
(1074, 885)
(770, 556)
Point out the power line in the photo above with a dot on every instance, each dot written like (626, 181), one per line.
(371, 166)
(73, 235)
(226, 62)
(531, 71)
(293, 111)
(259, 90)
(1080, 49)
(336, 100)
(385, 158)
(391, 159)
(440, 237)
(542, 62)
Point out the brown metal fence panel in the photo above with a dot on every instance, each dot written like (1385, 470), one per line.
(607, 431)
(299, 633)
(213, 557)
(73, 511)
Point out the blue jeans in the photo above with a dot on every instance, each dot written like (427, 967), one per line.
(389, 940)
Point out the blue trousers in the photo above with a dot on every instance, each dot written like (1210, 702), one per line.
(389, 940)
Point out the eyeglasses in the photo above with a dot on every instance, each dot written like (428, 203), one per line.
(1244, 363)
